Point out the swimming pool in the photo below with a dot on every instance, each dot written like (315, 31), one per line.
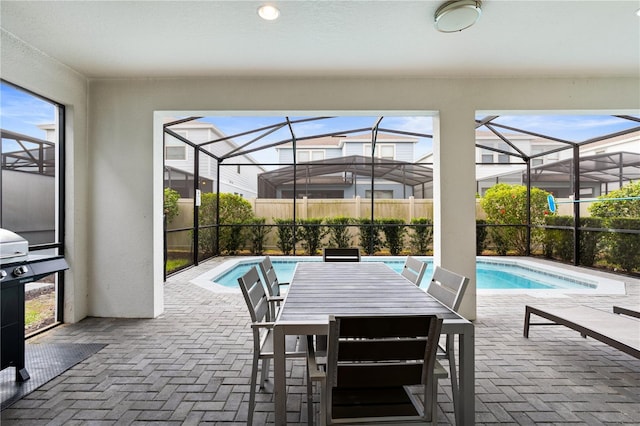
(493, 274)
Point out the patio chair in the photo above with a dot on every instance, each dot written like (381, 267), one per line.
(448, 288)
(274, 294)
(370, 362)
(413, 270)
(351, 254)
(258, 304)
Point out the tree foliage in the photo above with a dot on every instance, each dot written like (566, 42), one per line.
(506, 204)
(618, 208)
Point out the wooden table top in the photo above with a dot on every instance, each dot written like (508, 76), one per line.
(320, 289)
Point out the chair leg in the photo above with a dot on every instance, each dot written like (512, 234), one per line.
(252, 391)
(309, 398)
(454, 377)
(264, 374)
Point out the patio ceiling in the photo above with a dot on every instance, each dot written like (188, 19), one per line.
(140, 39)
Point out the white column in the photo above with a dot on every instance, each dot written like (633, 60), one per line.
(454, 198)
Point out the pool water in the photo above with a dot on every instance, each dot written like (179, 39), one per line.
(489, 275)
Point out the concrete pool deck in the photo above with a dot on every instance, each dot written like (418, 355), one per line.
(191, 365)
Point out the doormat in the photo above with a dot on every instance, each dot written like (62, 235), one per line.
(43, 362)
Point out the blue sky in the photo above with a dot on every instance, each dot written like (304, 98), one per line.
(21, 112)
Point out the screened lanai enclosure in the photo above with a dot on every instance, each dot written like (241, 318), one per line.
(293, 185)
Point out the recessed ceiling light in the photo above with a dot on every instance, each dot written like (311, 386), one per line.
(268, 12)
(457, 15)
(638, 12)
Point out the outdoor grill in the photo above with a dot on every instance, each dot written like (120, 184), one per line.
(17, 268)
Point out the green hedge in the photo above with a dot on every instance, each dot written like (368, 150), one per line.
(421, 235)
(394, 232)
(624, 249)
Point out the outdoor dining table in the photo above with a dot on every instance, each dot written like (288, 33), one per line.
(320, 289)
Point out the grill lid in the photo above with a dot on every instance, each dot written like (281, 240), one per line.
(13, 247)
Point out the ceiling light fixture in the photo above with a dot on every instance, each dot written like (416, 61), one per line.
(457, 15)
(268, 12)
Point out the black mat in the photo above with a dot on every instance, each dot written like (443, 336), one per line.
(43, 362)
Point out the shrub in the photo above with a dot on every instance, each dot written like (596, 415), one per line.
(590, 240)
(559, 242)
(285, 235)
(481, 236)
(507, 205)
(310, 233)
(258, 234)
(234, 212)
(394, 232)
(500, 239)
(339, 235)
(624, 249)
(421, 235)
(171, 197)
(618, 208)
(369, 235)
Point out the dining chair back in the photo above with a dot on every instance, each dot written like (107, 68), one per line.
(272, 285)
(262, 330)
(413, 270)
(370, 362)
(350, 254)
(448, 287)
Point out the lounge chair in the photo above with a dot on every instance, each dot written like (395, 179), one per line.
(619, 331)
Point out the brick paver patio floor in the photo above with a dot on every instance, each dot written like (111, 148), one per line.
(191, 365)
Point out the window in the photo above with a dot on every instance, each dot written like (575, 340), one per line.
(385, 194)
(32, 194)
(309, 155)
(383, 151)
(175, 149)
(492, 157)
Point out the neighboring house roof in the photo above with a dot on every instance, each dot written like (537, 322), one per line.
(194, 124)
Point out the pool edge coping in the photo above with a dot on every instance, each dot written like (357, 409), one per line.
(604, 286)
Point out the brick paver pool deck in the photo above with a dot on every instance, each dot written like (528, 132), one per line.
(192, 365)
